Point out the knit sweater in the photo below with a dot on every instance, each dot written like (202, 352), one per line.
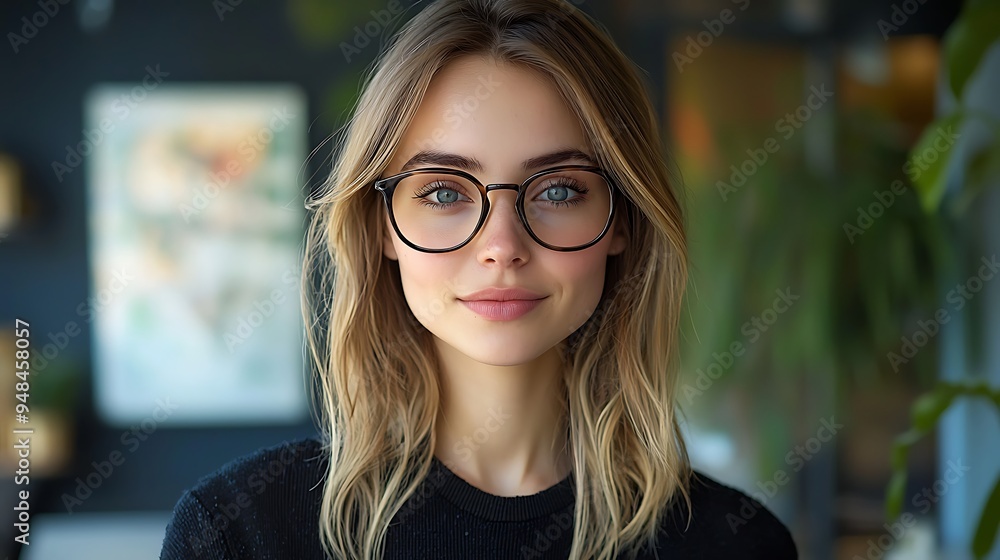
(266, 505)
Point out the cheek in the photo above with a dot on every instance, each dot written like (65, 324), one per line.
(582, 276)
(414, 272)
(426, 281)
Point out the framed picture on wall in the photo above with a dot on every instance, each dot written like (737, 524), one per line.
(195, 221)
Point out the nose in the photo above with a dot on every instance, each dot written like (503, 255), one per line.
(496, 203)
(507, 242)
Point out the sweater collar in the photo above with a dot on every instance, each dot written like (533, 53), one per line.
(499, 508)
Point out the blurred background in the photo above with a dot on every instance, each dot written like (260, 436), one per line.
(840, 162)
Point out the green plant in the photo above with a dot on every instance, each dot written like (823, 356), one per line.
(976, 29)
(926, 411)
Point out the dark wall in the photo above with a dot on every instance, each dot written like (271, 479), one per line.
(45, 273)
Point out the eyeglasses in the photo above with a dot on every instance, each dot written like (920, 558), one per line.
(436, 210)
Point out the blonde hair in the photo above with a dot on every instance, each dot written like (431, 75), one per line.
(375, 362)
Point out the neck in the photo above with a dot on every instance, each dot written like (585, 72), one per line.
(502, 428)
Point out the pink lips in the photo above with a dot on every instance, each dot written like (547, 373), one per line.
(502, 304)
(502, 310)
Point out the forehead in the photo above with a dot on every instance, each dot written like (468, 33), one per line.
(501, 114)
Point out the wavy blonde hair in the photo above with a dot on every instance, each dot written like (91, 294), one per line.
(374, 361)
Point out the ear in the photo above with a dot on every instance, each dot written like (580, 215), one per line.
(619, 239)
(388, 249)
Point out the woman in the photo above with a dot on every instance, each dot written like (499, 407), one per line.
(502, 259)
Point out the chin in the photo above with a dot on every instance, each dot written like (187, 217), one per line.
(503, 351)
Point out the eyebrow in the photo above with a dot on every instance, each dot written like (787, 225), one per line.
(445, 159)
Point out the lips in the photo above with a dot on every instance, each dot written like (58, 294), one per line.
(502, 294)
(502, 310)
(498, 303)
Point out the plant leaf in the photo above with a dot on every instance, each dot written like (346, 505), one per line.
(901, 448)
(967, 39)
(928, 175)
(989, 522)
(929, 407)
(894, 494)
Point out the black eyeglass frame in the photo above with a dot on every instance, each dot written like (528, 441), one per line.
(387, 187)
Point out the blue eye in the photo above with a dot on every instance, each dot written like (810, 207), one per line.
(451, 196)
(560, 190)
(435, 188)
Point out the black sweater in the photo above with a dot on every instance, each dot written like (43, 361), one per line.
(265, 505)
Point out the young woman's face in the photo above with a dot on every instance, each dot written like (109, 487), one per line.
(499, 116)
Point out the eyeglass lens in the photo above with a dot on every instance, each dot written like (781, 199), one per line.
(565, 208)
